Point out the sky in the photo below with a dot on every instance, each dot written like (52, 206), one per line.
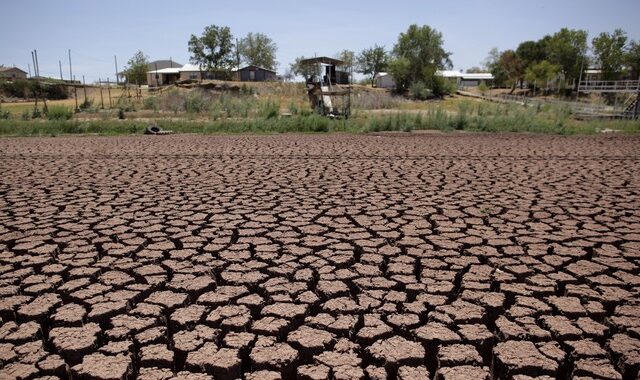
(96, 31)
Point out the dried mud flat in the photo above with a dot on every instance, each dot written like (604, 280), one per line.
(313, 257)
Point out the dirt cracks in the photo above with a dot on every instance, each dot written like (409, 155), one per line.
(313, 257)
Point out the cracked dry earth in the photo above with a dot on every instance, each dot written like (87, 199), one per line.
(418, 256)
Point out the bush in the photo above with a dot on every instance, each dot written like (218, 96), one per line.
(150, 103)
(419, 91)
(483, 88)
(5, 115)
(86, 105)
(270, 110)
(196, 102)
(59, 113)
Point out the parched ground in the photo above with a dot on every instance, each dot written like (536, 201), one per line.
(348, 257)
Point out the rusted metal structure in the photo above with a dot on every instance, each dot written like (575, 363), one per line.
(329, 88)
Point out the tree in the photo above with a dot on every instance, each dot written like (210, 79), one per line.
(259, 50)
(512, 67)
(506, 67)
(632, 59)
(475, 70)
(532, 52)
(609, 50)
(346, 56)
(297, 68)
(492, 63)
(568, 48)
(371, 61)
(541, 73)
(419, 53)
(137, 67)
(212, 50)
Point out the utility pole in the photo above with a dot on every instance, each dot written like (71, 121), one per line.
(84, 87)
(60, 64)
(101, 98)
(35, 93)
(109, 91)
(238, 59)
(44, 100)
(72, 79)
(116, 61)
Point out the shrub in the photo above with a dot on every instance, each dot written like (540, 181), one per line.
(150, 103)
(121, 115)
(483, 88)
(419, 91)
(59, 113)
(86, 105)
(5, 115)
(270, 110)
(196, 102)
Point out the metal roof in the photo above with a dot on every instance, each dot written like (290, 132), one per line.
(168, 70)
(325, 60)
(7, 68)
(457, 74)
(257, 67)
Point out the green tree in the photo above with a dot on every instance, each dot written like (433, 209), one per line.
(297, 68)
(568, 48)
(259, 50)
(213, 49)
(541, 73)
(419, 54)
(371, 61)
(137, 67)
(532, 52)
(348, 57)
(632, 59)
(492, 63)
(512, 67)
(609, 51)
(475, 70)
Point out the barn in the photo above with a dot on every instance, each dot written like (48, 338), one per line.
(254, 73)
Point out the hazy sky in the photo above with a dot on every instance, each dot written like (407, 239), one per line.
(95, 31)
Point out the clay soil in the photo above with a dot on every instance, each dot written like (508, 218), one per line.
(407, 256)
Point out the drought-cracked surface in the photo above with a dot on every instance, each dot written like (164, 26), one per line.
(345, 257)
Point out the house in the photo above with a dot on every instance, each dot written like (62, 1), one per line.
(12, 73)
(466, 79)
(163, 77)
(171, 75)
(254, 73)
(384, 80)
(194, 72)
(155, 65)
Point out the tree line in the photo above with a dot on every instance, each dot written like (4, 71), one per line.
(564, 56)
(419, 53)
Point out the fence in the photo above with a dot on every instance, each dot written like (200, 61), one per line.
(579, 110)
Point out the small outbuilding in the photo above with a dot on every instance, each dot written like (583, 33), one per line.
(466, 79)
(384, 80)
(254, 73)
(163, 77)
(12, 73)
